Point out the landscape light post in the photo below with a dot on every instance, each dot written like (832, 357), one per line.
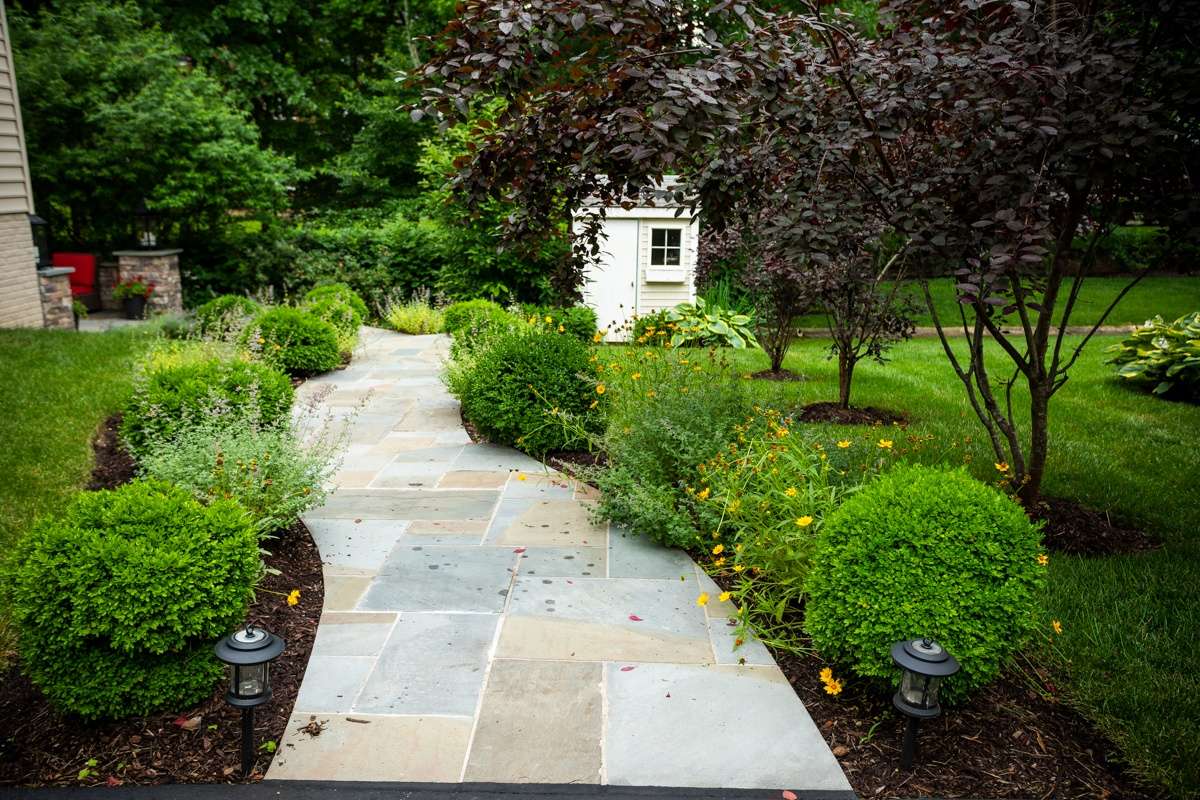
(249, 652)
(924, 664)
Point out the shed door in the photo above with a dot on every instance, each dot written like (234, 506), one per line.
(610, 287)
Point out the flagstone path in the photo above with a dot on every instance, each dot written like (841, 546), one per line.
(479, 627)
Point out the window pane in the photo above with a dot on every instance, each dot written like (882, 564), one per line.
(657, 237)
(673, 256)
(656, 256)
(673, 235)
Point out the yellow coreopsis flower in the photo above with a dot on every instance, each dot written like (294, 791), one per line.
(702, 600)
(635, 376)
(561, 328)
(716, 551)
(724, 598)
(791, 491)
(549, 319)
(600, 389)
(886, 444)
(1057, 626)
(738, 567)
(520, 476)
(597, 338)
(704, 493)
(1043, 559)
(1001, 466)
(804, 522)
(293, 597)
(844, 443)
(833, 687)
(826, 675)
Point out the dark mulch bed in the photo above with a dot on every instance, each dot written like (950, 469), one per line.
(470, 428)
(1071, 528)
(38, 746)
(569, 462)
(836, 415)
(782, 375)
(114, 465)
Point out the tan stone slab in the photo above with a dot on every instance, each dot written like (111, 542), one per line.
(373, 748)
(353, 479)
(403, 443)
(540, 722)
(438, 527)
(544, 638)
(472, 479)
(584, 491)
(348, 397)
(342, 592)
(555, 523)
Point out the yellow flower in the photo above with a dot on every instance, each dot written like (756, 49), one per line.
(844, 443)
(702, 600)
(651, 393)
(549, 319)
(724, 598)
(293, 597)
(791, 491)
(886, 444)
(720, 562)
(561, 329)
(597, 337)
(782, 432)
(738, 568)
(833, 688)
(1057, 626)
(704, 493)
(600, 388)
(520, 476)
(804, 521)
(1001, 466)
(826, 675)
(1043, 559)
(635, 376)
(716, 551)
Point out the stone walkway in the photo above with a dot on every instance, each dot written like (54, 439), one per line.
(479, 627)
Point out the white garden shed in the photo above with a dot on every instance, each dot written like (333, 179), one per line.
(647, 262)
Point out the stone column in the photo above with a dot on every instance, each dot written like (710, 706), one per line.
(106, 280)
(58, 310)
(160, 267)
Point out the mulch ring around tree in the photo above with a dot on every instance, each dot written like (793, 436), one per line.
(197, 744)
(836, 415)
(1071, 528)
(781, 375)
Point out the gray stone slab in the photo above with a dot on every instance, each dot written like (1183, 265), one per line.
(352, 634)
(433, 578)
(540, 722)
(431, 664)
(410, 475)
(331, 683)
(540, 486)
(633, 555)
(562, 562)
(390, 504)
(355, 545)
(527, 521)
(732, 647)
(766, 738)
(494, 456)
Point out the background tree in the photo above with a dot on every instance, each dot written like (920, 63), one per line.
(113, 113)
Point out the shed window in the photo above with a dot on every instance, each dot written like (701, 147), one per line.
(665, 247)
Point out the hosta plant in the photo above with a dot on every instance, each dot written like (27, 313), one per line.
(1163, 355)
(704, 324)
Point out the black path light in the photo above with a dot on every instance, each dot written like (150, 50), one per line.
(147, 222)
(925, 663)
(249, 652)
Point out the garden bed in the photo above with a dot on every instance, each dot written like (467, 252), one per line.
(199, 744)
(1071, 528)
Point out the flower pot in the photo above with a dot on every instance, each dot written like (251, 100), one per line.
(135, 307)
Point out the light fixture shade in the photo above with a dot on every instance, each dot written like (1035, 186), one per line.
(924, 663)
(249, 652)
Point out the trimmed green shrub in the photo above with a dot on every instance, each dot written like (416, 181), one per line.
(1163, 356)
(342, 316)
(578, 321)
(119, 600)
(293, 340)
(415, 317)
(522, 383)
(177, 387)
(473, 321)
(923, 551)
(225, 315)
(339, 291)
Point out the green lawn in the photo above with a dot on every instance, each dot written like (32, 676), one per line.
(58, 386)
(1129, 643)
(1171, 297)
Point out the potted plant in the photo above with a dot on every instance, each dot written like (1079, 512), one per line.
(133, 294)
(79, 310)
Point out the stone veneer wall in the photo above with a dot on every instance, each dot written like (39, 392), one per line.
(160, 267)
(20, 299)
(57, 302)
(106, 280)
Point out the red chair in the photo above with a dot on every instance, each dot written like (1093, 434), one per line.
(83, 281)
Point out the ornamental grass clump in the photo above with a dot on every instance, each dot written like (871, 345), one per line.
(925, 551)
(415, 317)
(118, 600)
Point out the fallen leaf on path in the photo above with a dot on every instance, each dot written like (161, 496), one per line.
(789, 795)
(635, 618)
(188, 724)
(841, 750)
(627, 669)
(519, 550)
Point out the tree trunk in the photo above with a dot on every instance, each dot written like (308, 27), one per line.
(1039, 420)
(845, 376)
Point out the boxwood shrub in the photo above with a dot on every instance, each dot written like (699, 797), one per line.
(344, 318)
(179, 386)
(339, 291)
(924, 551)
(225, 315)
(119, 600)
(293, 340)
(521, 385)
(473, 321)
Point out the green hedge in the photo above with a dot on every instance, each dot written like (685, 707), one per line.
(294, 341)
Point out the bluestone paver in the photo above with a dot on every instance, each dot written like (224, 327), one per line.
(479, 626)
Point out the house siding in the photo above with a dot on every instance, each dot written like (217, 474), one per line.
(20, 297)
(655, 296)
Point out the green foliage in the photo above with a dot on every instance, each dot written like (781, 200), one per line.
(925, 552)
(651, 328)
(180, 385)
(1163, 355)
(112, 117)
(293, 341)
(701, 324)
(670, 412)
(471, 321)
(275, 472)
(415, 317)
(119, 599)
(578, 321)
(519, 384)
(342, 292)
(225, 317)
(344, 318)
(1130, 248)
